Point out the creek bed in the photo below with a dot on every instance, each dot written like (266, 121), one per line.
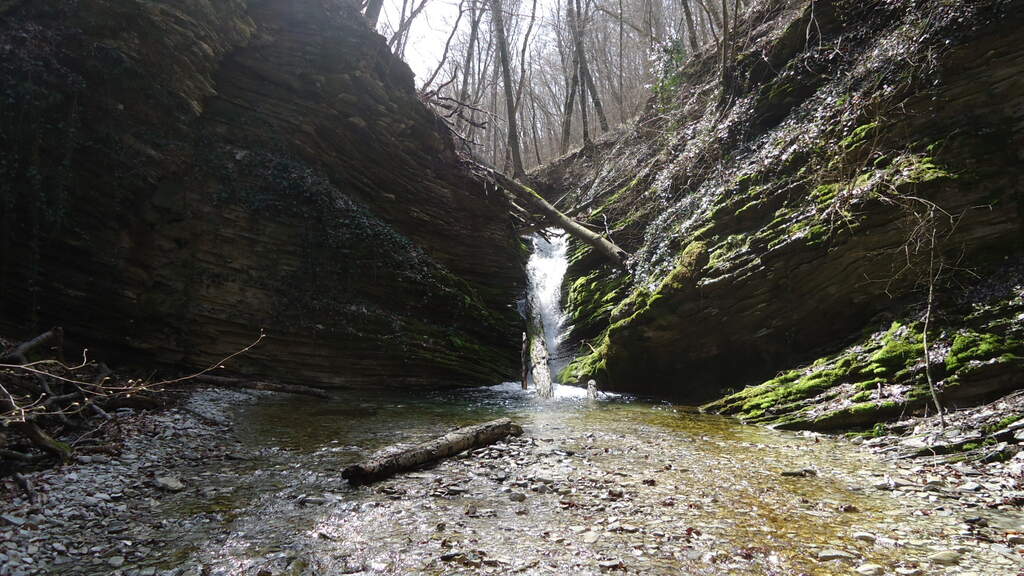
(592, 487)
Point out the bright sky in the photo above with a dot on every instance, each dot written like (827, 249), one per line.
(431, 28)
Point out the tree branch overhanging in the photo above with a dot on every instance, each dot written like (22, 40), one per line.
(535, 202)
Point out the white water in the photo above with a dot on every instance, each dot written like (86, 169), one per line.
(545, 270)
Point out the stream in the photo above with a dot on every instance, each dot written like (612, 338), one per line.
(594, 486)
(616, 484)
(591, 487)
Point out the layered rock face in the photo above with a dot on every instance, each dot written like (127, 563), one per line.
(179, 175)
(853, 152)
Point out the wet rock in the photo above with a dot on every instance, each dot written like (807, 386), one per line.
(945, 557)
(169, 483)
(801, 473)
(870, 570)
(13, 520)
(832, 554)
(116, 561)
(865, 537)
(908, 571)
(611, 565)
(517, 496)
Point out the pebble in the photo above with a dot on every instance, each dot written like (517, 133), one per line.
(831, 554)
(116, 561)
(517, 496)
(870, 570)
(169, 483)
(946, 558)
(865, 537)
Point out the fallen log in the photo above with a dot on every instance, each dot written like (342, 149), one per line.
(528, 196)
(446, 446)
(228, 382)
(20, 351)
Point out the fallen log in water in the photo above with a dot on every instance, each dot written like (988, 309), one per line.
(448, 445)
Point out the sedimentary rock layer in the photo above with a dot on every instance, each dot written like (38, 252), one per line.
(178, 176)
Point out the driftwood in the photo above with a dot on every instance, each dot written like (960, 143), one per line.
(20, 351)
(528, 196)
(227, 382)
(448, 445)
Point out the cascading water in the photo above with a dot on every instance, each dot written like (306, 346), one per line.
(545, 270)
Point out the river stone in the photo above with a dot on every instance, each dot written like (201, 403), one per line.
(870, 570)
(946, 558)
(832, 554)
(517, 496)
(169, 483)
(116, 561)
(590, 537)
(864, 537)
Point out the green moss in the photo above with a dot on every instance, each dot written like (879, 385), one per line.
(859, 135)
(918, 169)
(1000, 425)
(861, 396)
(727, 248)
(971, 346)
(689, 265)
(591, 299)
(901, 348)
(592, 365)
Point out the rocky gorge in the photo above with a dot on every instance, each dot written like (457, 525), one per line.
(181, 176)
(801, 350)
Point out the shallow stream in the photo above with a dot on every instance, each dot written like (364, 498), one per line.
(591, 487)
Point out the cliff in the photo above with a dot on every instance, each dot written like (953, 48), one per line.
(789, 220)
(178, 175)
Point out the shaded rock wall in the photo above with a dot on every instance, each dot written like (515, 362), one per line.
(779, 217)
(178, 175)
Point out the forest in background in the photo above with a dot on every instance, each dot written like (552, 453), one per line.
(522, 82)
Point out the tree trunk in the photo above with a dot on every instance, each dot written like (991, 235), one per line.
(510, 100)
(570, 100)
(691, 31)
(526, 195)
(622, 88)
(446, 446)
(373, 12)
(585, 68)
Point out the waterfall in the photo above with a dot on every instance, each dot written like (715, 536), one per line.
(545, 271)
